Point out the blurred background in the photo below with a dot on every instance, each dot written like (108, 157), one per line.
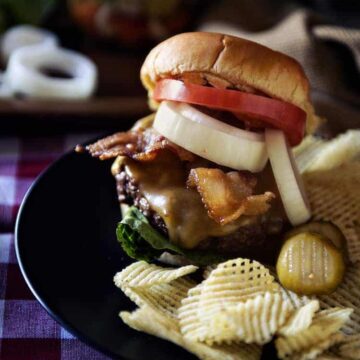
(117, 34)
(109, 40)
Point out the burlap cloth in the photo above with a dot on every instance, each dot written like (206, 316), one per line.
(329, 54)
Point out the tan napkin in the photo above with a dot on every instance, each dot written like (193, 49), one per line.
(305, 37)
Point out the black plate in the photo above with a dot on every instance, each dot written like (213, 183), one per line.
(68, 254)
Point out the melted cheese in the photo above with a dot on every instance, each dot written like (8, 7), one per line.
(163, 183)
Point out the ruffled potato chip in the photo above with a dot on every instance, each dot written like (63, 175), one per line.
(160, 289)
(327, 355)
(337, 151)
(233, 351)
(305, 153)
(153, 323)
(190, 323)
(255, 321)
(230, 283)
(296, 301)
(147, 320)
(237, 280)
(157, 315)
(164, 298)
(314, 154)
(300, 320)
(317, 349)
(142, 274)
(325, 324)
(237, 308)
(207, 271)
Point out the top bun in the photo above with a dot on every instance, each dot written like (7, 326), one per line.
(229, 62)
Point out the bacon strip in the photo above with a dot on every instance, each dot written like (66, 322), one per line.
(228, 196)
(141, 145)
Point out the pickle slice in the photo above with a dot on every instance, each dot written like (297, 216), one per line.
(310, 264)
(326, 229)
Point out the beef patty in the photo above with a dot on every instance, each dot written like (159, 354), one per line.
(244, 239)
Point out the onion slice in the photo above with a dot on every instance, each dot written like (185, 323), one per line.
(24, 73)
(5, 91)
(287, 177)
(210, 138)
(24, 35)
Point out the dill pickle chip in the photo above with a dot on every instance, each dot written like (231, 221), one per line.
(310, 264)
(325, 228)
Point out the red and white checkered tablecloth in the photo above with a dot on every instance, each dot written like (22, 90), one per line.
(26, 330)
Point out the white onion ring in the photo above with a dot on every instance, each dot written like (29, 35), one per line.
(197, 116)
(5, 91)
(210, 138)
(25, 35)
(24, 73)
(288, 179)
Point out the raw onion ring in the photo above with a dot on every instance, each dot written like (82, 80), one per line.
(25, 35)
(24, 73)
(288, 179)
(210, 138)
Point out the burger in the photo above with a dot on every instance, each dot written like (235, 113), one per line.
(210, 173)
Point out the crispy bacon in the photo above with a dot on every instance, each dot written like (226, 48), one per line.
(258, 204)
(140, 144)
(228, 196)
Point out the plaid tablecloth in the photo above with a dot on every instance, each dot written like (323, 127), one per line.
(26, 330)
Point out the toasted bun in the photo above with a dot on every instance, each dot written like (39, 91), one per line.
(228, 61)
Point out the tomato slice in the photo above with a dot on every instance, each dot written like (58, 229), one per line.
(272, 113)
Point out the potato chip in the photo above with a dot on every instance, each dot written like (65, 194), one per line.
(232, 282)
(207, 271)
(334, 196)
(297, 301)
(328, 356)
(237, 280)
(300, 320)
(317, 349)
(347, 295)
(325, 324)
(350, 347)
(142, 274)
(164, 298)
(146, 320)
(235, 351)
(254, 321)
(190, 324)
(305, 153)
(229, 283)
(236, 307)
(338, 151)
(333, 316)
(316, 154)
(157, 316)
(306, 142)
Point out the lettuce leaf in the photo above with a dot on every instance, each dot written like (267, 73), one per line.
(142, 242)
